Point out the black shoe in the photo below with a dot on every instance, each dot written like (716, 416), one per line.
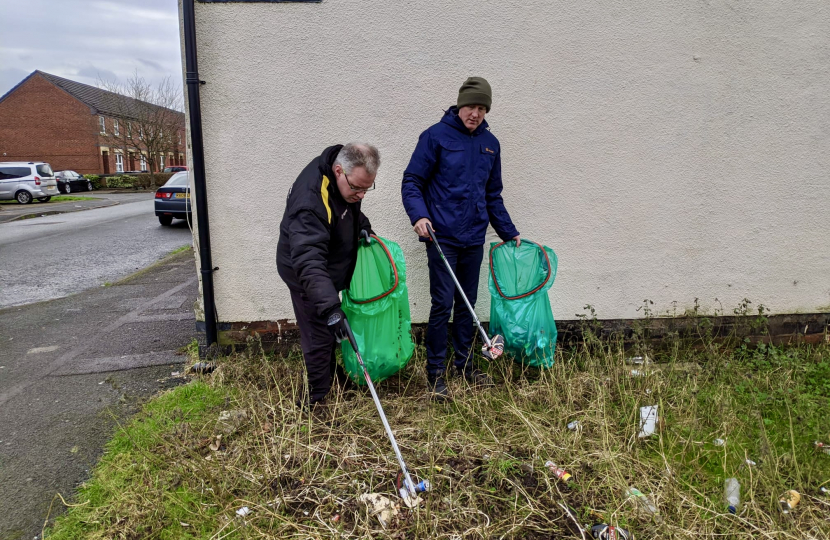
(307, 405)
(476, 377)
(438, 388)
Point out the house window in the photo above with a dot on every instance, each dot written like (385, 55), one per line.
(119, 162)
(161, 161)
(103, 124)
(143, 162)
(129, 130)
(140, 132)
(115, 128)
(180, 138)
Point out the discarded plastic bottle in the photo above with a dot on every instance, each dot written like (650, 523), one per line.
(559, 472)
(609, 532)
(644, 503)
(732, 494)
(789, 500)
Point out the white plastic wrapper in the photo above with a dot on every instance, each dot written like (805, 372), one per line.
(648, 421)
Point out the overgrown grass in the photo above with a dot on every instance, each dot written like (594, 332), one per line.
(301, 475)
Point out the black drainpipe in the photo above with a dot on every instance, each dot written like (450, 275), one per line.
(198, 154)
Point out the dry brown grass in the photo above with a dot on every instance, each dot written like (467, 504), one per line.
(301, 475)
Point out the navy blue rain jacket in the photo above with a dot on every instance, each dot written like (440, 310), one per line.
(454, 179)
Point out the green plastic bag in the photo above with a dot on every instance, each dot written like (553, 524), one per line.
(377, 307)
(519, 305)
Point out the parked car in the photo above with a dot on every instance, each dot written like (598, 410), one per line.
(69, 181)
(26, 181)
(175, 168)
(173, 199)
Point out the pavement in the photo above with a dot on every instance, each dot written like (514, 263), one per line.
(49, 257)
(13, 211)
(71, 369)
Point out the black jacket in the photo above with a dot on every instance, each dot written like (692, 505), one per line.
(319, 234)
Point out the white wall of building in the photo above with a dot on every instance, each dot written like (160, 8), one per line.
(665, 150)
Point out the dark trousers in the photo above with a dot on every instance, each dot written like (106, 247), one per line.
(318, 347)
(466, 263)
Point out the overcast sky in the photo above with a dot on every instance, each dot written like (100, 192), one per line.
(83, 40)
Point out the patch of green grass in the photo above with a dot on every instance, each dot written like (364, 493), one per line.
(179, 250)
(65, 198)
(56, 198)
(135, 486)
(484, 453)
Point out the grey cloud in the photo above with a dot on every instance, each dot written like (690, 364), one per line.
(92, 72)
(151, 64)
(110, 38)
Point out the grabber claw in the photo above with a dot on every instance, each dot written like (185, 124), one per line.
(495, 349)
(409, 491)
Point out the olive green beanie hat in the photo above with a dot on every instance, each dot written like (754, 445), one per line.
(475, 91)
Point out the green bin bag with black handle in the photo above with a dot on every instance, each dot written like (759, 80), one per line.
(377, 307)
(520, 278)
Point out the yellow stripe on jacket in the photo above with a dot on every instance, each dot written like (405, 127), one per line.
(324, 191)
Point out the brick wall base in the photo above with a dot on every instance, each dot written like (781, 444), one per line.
(775, 329)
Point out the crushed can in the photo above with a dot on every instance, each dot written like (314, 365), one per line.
(789, 500)
(609, 532)
(558, 472)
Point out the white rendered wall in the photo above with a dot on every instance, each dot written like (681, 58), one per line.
(665, 150)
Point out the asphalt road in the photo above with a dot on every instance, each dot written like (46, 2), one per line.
(50, 257)
(71, 369)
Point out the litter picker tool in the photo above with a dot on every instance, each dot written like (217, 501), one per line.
(409, 491)
(493, 347)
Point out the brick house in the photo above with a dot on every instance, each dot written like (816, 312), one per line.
(80, 127)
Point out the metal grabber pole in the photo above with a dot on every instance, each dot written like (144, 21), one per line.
(492, 348)
(412, 490)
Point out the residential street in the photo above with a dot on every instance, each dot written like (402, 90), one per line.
(53, 256)
(71, 368)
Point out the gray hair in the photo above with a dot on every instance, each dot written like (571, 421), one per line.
(359, 155)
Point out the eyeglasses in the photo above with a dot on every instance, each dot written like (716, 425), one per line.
(357, 189)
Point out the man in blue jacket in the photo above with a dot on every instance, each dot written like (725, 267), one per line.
(453, 183)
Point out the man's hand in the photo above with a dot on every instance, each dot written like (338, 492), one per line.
(518, 240)
(364, 234)
(421, 227)
(337, 324)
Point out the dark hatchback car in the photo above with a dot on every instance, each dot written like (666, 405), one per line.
(69, 181)
(173, 199)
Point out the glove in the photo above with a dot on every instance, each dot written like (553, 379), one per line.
(337, 324)
(364, 234)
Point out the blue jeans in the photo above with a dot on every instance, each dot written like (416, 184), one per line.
(466, 263)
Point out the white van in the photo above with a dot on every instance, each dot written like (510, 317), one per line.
(26, 181)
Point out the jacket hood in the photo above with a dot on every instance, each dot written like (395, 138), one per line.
(451, 119)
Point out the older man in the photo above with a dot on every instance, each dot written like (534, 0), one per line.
(317, 252)
(453, 184)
